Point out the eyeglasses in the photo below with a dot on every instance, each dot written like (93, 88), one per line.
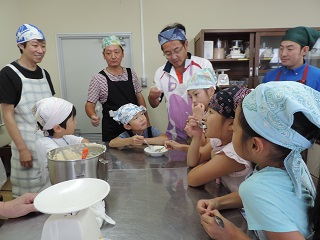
(176, 51)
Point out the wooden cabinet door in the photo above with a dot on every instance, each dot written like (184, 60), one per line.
(267, 45)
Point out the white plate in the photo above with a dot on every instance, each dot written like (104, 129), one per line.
(71, 196)
(240, 55)
(152, 153)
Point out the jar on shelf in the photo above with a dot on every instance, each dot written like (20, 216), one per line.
(219, 51)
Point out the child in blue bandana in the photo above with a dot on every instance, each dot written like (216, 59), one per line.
(201, 87)
(273, 125)
(137, 131)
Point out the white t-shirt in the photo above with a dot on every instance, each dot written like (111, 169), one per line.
(45, 145)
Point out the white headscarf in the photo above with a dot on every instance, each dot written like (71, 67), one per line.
(51, 111)
(27, 32)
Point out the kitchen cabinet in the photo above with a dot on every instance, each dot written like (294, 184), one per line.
(260, 45)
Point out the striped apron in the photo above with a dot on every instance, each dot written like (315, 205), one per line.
(27, 179)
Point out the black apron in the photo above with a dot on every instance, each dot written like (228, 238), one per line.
(119, 93)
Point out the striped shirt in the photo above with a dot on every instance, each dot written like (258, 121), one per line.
(98, 88)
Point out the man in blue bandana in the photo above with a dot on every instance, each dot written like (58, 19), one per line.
(22, 84)
(294, 46)
(171, 78)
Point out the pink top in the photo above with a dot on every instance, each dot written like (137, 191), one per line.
(233, 180)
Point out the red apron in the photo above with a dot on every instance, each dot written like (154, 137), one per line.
(304, 76)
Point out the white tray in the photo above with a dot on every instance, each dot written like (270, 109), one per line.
(236, 55)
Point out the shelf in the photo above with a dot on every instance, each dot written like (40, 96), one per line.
(229, 60)
(257, 64)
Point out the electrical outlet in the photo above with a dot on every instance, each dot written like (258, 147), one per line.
(144, 82)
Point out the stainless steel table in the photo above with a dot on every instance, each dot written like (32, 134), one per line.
(149, 199)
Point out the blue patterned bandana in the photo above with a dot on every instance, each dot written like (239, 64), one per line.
(269, 111)
(126, 112)
(27, 32)
(171, 34)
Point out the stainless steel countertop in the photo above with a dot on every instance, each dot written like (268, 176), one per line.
(149, 199)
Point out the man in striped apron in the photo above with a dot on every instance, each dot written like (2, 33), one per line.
(22, 84)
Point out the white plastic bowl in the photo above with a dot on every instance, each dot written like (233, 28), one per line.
(153, 153)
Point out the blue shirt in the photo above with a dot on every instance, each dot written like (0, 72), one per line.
(154, 130)
(271, 204)
(313, 77)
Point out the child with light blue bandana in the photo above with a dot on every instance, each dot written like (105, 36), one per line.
(201, 87)
(137, 131)
(273, 125)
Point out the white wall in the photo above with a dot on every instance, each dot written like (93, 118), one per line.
(74, 16)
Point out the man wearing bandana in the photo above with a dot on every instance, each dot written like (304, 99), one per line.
(294, 46)
(113, 87)
(171, 78)
(22, 84)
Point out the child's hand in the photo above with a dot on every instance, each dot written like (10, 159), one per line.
(170, 144)
(226, 231)
(137, 140)
(198, 111)
(206, 205)
(192, 127)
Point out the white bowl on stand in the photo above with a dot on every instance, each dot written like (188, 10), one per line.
(69, 203)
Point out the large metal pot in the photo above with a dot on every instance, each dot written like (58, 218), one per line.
(66, 163)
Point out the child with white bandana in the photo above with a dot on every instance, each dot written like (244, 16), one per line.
(56, 118)
(137, 131)
(272, 126)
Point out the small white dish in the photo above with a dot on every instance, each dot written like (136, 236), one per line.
(240, 55)
(154, 152)
(71, 196)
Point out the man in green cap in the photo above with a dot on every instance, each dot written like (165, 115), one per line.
(294, 46)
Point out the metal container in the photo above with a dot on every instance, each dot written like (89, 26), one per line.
(66, 163)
